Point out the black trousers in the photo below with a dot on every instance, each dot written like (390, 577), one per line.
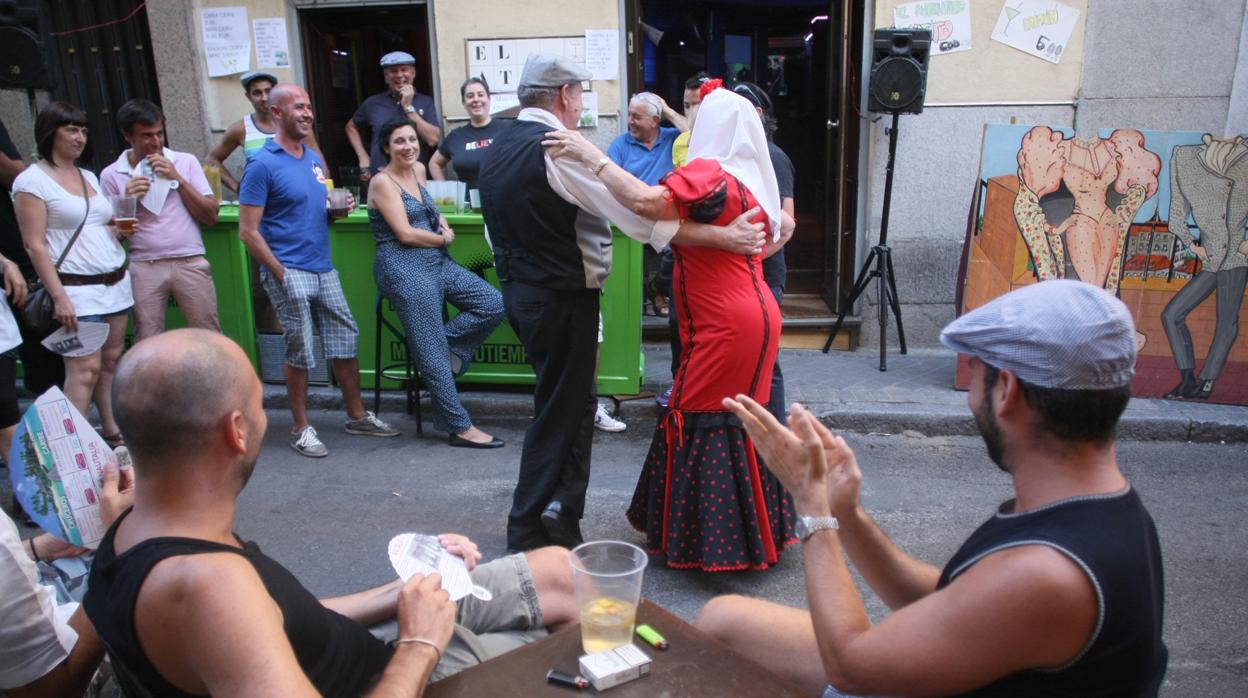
(559, 330)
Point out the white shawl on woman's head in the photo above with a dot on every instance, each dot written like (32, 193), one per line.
(727, 129)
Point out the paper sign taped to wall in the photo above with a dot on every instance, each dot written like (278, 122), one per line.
(602, 53)
(949, 21)
(272, 49)
(227, 45)
(1041, 28)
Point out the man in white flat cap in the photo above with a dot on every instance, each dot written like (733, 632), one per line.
(399, 101)
(549, 221)
(1059, 593)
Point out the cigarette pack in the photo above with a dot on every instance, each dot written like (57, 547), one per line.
(614, 667)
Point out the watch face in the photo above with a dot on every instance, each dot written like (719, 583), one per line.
(802, 529)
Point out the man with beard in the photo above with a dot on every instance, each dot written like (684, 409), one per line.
(1059, 593)
(399, 101)
(186, 606)
(283, 223)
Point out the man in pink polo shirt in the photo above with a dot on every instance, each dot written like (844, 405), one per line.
(167, 250)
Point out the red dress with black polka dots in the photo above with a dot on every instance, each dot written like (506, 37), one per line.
(704, 498)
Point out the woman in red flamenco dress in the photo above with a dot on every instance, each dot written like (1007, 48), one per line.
(704, 499)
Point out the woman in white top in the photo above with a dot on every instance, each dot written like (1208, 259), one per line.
(91, 284)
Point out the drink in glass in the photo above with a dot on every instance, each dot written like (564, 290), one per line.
(338, 202)
(607, 623)
(607, 577)
(125, 214)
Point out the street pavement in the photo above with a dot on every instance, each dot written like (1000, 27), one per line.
(849, 392)
(329, 520)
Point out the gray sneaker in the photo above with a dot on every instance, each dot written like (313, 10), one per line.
(305, 443)
(370, 425)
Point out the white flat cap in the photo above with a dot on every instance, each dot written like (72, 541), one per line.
(1054, 334)
(397, 58)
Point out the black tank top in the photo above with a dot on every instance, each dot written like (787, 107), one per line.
(339, 656)
(1112, 537)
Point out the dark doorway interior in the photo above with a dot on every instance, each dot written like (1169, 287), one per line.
(797, 51)
(97, 63)
(341, 51)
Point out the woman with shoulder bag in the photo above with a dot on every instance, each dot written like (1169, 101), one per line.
(64, 219)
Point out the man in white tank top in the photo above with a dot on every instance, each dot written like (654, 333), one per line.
(251, 131)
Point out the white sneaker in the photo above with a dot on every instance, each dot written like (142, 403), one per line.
(307, 444)
(370, 425)
(605, 422)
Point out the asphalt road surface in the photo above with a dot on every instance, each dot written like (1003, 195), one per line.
(329, 520)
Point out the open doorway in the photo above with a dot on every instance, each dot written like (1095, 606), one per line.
(806, 54)
(342, 49)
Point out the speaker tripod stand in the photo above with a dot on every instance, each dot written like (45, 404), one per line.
(879, 267)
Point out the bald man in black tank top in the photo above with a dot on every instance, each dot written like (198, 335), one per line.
(186, 607)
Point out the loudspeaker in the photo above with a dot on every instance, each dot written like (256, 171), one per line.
(899, 71)
(22, 61)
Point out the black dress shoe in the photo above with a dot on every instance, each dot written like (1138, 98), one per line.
(461, 442)
(563, 528)
(1187, 387)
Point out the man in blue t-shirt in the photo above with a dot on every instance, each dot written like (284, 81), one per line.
(645, 150)
(283, 222)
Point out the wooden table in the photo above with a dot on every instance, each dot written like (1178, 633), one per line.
(693, 665)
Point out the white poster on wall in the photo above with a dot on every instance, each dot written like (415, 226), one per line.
(272, 50)
(948, 20)
(1041, 28)
(501, 61)
(227, 45)
(602, 53)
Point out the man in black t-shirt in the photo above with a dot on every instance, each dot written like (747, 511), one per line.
(42, 368)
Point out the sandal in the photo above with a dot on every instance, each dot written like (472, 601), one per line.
(660, 306)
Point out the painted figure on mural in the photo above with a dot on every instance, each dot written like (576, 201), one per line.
(1209, 182)
(1077, 198)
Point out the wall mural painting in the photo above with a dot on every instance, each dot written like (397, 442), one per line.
(1156, 217)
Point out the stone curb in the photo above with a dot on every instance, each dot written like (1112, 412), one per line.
(1228, 425)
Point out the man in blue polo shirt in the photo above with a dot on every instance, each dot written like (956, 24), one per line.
(645, 150)
(399, 101)
(283, 222)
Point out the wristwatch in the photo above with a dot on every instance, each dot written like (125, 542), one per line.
(409, 109)
(807, 526)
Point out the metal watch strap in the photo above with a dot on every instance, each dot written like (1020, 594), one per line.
(808, 526)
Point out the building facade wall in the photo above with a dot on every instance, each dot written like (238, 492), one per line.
(1129, 76)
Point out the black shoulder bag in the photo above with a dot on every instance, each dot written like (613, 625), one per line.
(39, 312)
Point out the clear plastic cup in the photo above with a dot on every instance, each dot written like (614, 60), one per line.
(607, 577)
(125, 214)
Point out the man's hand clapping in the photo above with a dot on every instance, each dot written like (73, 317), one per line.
(818, 468)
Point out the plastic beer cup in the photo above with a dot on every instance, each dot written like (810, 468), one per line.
(607, 577)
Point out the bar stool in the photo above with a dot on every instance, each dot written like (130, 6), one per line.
(409, 379)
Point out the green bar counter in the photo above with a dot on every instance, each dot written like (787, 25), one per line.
(501, 360)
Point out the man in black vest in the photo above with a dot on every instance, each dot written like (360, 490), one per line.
(549, 222)
(1060, 593)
